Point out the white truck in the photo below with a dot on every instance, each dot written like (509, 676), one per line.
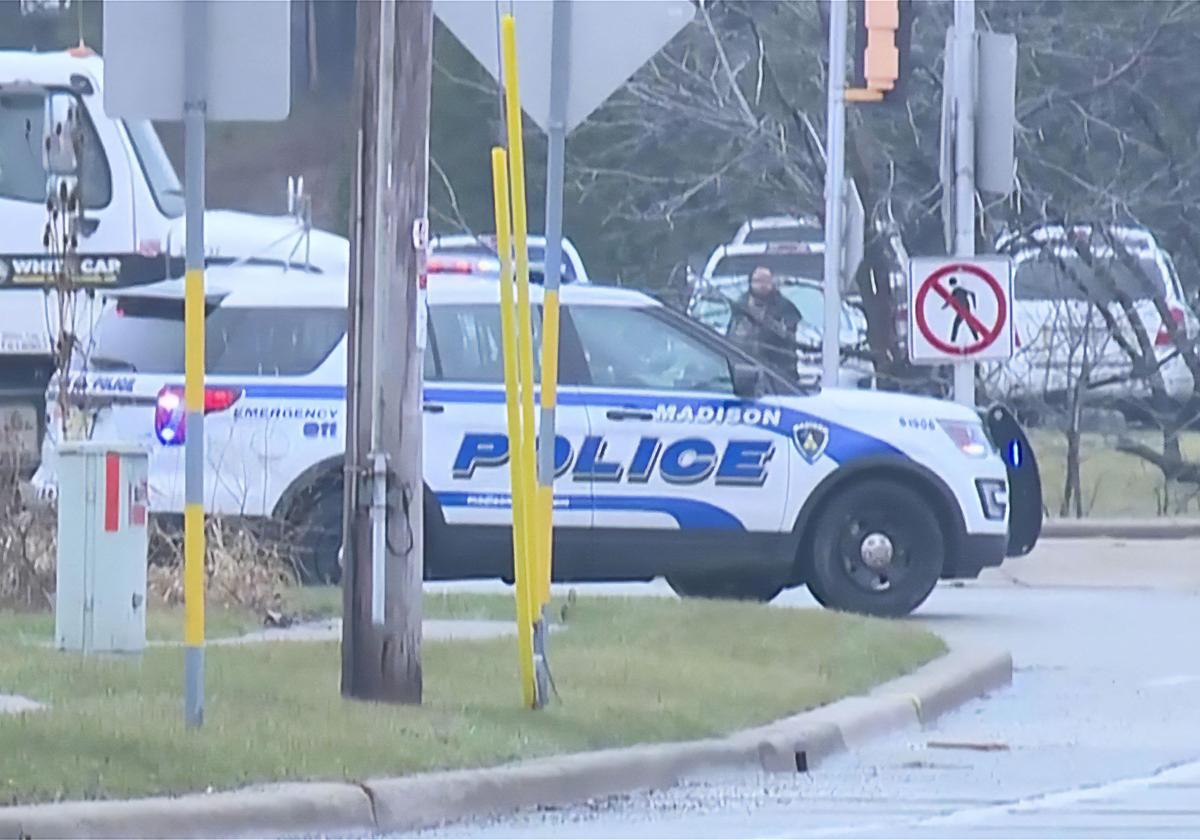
(130, 225)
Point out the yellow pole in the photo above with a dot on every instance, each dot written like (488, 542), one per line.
(545, 498)
(193, 508)
(516, 165)
(521, 571)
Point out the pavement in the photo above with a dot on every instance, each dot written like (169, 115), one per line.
(330, 630)
(1098, 735)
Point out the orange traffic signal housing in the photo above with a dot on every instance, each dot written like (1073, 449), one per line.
(883, 34)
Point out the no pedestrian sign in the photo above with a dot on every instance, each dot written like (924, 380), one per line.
(959, 310)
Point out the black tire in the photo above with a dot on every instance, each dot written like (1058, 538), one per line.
(318, 536)
(841, 578)
(725, 585)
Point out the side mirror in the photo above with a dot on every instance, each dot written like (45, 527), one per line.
(747, 381)
(61, 134)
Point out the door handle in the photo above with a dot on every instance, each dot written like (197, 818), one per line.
(630, 414)
(432, 408)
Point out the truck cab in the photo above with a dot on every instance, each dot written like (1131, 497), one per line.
(130, 224)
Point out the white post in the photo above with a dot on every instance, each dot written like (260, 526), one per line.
(835, 163)
(964, 164)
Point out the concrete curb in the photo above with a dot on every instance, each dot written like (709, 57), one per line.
(295, 809)
(1126, 529)
(797, 743)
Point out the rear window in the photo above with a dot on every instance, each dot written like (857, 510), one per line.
(239, 341)
(1064, 276)
(782, 265)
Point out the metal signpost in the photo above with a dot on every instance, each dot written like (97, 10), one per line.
(835, 170)
(964, 164)
(573, 56)
(196, 61)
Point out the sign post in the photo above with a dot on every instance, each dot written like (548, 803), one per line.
(196, 61)
(964, 164)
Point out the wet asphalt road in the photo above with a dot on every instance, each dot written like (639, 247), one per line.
(1099, 735)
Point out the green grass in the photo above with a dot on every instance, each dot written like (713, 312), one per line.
(1114, 483)
(165, 624)
(162, 624)
(629, 670)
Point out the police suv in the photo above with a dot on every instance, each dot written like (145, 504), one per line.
(677, 455)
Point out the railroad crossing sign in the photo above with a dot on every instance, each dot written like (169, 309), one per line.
(959, 310)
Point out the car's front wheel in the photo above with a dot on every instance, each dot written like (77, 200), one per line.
(725, 585)
(878, 549)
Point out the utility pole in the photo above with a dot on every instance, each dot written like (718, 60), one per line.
(835, 173)
(383, 547)
(964, 164)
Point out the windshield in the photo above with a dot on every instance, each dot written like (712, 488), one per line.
(781, 265)
(156, 166)
(1064, 276)
(23, 176)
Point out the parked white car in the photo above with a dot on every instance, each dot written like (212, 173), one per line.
(1059, 316)
(780, 229)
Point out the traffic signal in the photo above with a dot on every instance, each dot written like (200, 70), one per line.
(882, 41)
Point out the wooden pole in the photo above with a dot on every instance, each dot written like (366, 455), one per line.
(381, 658)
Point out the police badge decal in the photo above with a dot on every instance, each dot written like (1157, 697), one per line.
(810, 438)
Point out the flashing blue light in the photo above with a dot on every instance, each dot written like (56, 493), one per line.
(1014, 453)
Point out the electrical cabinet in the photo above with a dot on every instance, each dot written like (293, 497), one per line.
(100, 598)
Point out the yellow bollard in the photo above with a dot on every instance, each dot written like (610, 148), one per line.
(516, 166)
(522, 574)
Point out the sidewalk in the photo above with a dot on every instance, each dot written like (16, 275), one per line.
(1105, 562)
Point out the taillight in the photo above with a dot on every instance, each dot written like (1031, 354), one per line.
(459, 265)
(1163, 339)
(170, 418)
(437, 265)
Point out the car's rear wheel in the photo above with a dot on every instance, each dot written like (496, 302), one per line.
(319, 536)
(878, 549)
(725, 585)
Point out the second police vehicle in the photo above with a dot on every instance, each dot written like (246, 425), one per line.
(677, 454)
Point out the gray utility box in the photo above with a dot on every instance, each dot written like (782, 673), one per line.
(100, 600)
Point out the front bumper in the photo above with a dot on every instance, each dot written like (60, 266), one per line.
(977, 552)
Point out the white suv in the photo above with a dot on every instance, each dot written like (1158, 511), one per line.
(677, 454)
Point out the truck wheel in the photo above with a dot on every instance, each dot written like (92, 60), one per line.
(725, 585)
(878, 549)
(319, 537)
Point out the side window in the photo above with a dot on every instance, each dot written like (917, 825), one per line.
(634, 348)
(22, 176)
(468, 345)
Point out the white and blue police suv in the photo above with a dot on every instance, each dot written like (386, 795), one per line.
(677, 455)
